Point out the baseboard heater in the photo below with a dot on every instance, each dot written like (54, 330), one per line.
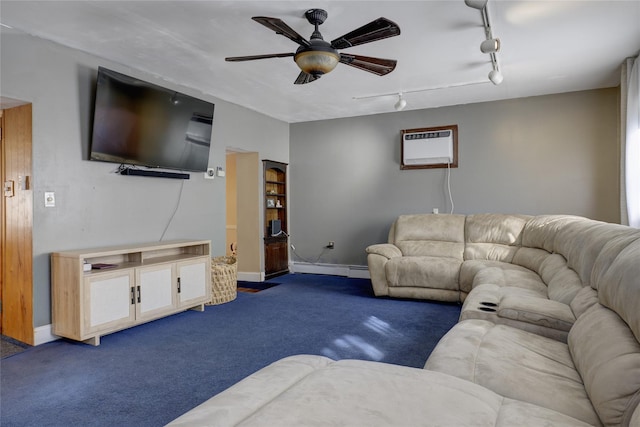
(156, 174)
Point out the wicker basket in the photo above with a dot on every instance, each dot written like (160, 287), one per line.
(224, 279)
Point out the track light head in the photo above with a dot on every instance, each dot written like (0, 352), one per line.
(496, 77)
(490, 46)
(476, 4)
(399, 106)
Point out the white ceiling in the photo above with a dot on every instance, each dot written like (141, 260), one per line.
(547, 47)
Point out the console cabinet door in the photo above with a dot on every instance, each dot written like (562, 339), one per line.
(194, 281)
(155, 294)
(108, 301)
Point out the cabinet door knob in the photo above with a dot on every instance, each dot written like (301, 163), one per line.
(133, 295)
(139, 296)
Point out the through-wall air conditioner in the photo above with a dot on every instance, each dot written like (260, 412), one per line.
(429, 148)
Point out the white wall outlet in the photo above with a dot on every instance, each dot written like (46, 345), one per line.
(435, 211)
(49, 199)
(210, 173)
(220, 172)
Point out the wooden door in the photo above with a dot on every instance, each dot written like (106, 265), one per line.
(16, 271)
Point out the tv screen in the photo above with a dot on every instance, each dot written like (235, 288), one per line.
(139, 123)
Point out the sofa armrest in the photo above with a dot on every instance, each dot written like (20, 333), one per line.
(537, 311)
(387, 250)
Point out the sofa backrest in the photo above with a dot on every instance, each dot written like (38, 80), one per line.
(580, 242)
(574, 243)
(619, 284)
(429, 235)
(605, 340)
(494, 237)
(541, 231)
(564, 283)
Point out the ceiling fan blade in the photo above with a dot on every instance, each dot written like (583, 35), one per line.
(251, 58)
(379, 29)
(280, 27)
(376, 66)
(304, 78)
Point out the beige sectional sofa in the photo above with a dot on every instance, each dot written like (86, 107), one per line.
(562, 347)
(518, 270)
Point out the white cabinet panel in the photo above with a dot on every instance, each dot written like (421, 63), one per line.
(194, 280)
(109, 300)
(155, 291)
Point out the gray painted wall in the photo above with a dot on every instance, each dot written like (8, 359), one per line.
(547, 154)
(95, 207)
(551, 154)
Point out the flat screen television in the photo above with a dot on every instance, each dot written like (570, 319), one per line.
(140, 123)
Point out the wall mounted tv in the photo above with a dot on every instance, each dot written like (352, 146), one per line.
(139, 123)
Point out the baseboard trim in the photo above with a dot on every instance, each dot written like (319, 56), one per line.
(353, 271)
(250, 276)
(43, 335)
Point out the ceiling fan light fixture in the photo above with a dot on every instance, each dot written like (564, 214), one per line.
(490, 46)
(317, 62)
(401, 103)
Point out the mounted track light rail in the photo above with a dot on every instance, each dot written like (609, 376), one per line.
(401, 103)
(491, 45)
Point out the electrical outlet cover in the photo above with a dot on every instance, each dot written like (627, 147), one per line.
(210, 173)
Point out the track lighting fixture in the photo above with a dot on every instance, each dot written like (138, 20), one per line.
(399, 106)
(476, 4)
(490, 46)
(496, 77)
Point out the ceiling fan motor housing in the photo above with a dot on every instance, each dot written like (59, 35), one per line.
(319, 57)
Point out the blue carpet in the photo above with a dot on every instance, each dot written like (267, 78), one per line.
(151, 374)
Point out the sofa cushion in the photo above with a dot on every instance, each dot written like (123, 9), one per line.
(530, 258)
(493, 236)
(541, 231)
(478, 272)
(607, 356)
(583, 301)
(619, 285)
(316, 391)
(430, 235)
(564, 285)
(423, 272)
(515, 364)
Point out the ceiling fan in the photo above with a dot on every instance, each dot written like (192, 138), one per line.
(317, 57)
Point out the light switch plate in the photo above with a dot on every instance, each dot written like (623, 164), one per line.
(49, 199)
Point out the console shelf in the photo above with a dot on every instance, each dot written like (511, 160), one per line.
(137, 284)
